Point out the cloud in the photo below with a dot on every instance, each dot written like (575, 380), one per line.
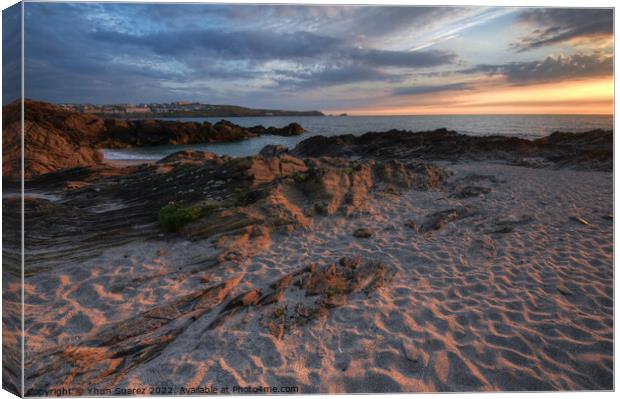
(411, 59)
(332, 75)
(556, 25)
(244, 44)
(260, 46)
(415, 90)
(551, 69)
(382, 20)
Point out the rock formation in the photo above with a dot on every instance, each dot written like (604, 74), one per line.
(52, 140)
(106, 357)
(589, 150)
(237, 197)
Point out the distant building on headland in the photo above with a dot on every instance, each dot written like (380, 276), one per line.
(137, 110)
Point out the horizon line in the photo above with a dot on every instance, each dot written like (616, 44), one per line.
(337, 114)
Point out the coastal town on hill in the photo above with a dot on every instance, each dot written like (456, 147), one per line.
(179, 108)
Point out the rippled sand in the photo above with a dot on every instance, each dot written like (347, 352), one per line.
(473, 305)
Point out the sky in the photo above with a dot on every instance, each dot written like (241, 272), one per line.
(368, 60)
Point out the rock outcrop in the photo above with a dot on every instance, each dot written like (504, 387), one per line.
(239, 200)
(52, 140)
(139, 133)
(292, 129)
(589, 150)
(273, 150)
(280, 307)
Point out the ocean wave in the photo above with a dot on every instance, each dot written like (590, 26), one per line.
(127, 155)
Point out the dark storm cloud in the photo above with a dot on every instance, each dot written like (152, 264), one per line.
(554, 26)
(411, 59)
(264, 46)
(551, 69)
(414, 90)
(255, 45)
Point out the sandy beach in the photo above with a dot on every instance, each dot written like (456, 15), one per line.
(517, 295)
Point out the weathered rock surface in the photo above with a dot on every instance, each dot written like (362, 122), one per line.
(591, 150)
(240, 201)
(48, 144)
(292, 129)
(111, 353)
(320, 288)
(107, 356)
(188, 156)
(471, 191)
(439, 220)
(273, 150)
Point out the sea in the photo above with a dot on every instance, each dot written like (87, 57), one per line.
(524, 126)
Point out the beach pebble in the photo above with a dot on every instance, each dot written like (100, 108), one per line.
(580, 220)
(564, 290)
(411, 224)
(363, 233)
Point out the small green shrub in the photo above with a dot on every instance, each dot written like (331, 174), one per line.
(243, 197)
(211, 206)
(174, 216)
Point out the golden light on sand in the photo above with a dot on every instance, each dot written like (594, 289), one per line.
(592, 96)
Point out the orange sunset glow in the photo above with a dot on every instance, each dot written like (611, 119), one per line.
(592, 97)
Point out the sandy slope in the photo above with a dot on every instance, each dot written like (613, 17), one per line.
(474, 305)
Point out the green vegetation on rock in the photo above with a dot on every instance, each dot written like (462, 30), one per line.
(174, 216)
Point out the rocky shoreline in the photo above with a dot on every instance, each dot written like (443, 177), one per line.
(591, 150)
(57, 139)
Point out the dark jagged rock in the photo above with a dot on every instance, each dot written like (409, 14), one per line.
(320, 289)
(292, 129)
(363, 232)
(470, 191)
(438, 220)
(127, 133)
(590, 150)
(273, 150)
(189, 156)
